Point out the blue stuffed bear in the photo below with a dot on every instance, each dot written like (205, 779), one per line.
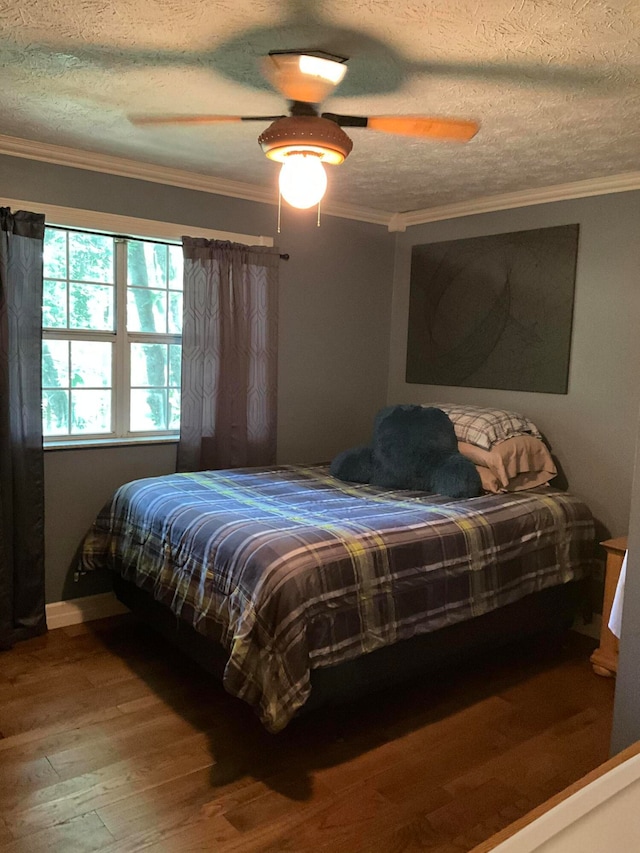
(414, 447)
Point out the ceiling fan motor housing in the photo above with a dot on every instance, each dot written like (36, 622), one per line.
(306, 134)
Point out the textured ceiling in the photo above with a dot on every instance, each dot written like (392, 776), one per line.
(555, 85)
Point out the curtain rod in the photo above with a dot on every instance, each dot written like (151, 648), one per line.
(284, 257)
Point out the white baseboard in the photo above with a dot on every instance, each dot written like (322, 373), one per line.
(591, 629)
(76, 610)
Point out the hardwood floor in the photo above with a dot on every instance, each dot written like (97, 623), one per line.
(111, 741)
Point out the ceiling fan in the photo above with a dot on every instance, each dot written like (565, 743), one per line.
(306, 138)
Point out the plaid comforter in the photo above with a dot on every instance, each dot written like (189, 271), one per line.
(298, 570)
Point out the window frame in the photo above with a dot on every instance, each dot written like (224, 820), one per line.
(119, 226)
(121, 339)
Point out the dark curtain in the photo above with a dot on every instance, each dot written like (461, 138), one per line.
(229, 355)
(22, 613)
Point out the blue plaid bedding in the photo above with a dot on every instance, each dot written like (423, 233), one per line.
(297, 570)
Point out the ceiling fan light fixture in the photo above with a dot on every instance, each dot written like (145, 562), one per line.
(303, 180)
(326, 155)
(306, 134)
(325, 69)
(307, 138)
(310, 77)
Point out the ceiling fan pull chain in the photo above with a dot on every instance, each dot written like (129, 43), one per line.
(318, 223)
(279, 208)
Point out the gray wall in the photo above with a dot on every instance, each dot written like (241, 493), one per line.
(77, 482)
(335, 298)
(592, 429)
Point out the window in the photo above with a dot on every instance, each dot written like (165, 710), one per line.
(112, 322)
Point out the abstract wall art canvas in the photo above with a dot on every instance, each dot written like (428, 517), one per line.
(494, 311)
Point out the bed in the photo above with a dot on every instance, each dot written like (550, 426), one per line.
(301, 589)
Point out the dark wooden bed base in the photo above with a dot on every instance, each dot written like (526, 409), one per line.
(544, 613)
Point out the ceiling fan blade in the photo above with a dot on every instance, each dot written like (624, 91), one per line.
(183, 119)
(307, 77)
(459, 130)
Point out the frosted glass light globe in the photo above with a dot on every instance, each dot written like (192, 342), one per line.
(303, 180)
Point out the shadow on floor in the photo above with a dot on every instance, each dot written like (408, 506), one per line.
(326, 737)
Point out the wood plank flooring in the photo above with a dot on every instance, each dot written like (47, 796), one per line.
(110, 740)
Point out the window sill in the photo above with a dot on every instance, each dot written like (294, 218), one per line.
(81, 444)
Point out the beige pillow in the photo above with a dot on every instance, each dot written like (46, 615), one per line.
(518, 463)
(490, 482)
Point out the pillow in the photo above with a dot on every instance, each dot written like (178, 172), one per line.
(518, 463)
(490, 483)
(486, 427)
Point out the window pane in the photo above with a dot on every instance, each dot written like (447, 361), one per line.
(174, 408)
(54, 304)
(91, 257)
(54, 254)
(146, 310)
(146, 264)
(55, 412)
(175, 313)
(175, 267)
(80, 294)
(91, 364)
(148, 365)
(90, 411)
(175, 365)
(148, 410)
(91, 306)
(55, 364)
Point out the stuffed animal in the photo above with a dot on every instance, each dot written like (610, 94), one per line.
(414, 447)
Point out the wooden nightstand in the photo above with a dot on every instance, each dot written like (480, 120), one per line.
(605, 658)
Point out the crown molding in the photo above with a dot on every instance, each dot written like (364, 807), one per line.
(108, 164)
(395, 222)
(361, 214)
(544, 195)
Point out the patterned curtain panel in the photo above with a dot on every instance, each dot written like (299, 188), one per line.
(229, 355)
(22, 612)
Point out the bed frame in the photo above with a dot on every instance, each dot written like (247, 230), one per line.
(546, 613)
